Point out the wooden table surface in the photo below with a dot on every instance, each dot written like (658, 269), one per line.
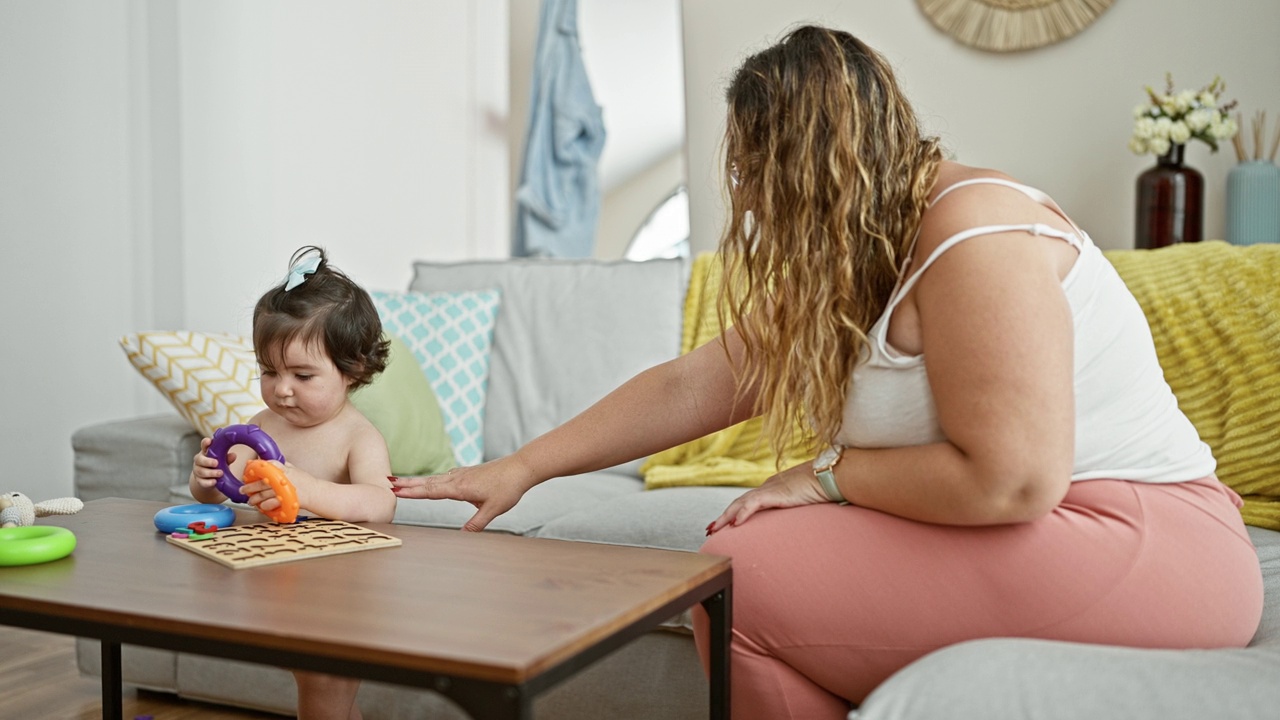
(484, 606)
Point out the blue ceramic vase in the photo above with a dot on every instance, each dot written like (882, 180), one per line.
(1253, 203)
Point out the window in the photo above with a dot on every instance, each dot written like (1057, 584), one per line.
(665, 233)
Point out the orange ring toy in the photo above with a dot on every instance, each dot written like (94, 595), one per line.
(274, 476)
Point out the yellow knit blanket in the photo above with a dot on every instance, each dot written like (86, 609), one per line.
(738, 455)
(1214, 311)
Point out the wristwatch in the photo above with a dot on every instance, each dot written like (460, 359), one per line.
(823, 467)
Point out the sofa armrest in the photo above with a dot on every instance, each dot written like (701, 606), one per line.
(1014, 679)
(139, 458)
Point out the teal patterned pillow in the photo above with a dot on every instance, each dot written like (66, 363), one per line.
(450, 334)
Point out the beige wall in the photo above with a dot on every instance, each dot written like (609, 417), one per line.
(627, 206)
(1057, 117)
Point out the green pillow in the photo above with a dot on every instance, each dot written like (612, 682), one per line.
(401, 404)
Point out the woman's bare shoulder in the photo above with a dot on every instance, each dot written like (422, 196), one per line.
(951, 174)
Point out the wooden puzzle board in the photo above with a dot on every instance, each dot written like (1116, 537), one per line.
(242, 546)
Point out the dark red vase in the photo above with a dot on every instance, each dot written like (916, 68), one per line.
(1170, 203)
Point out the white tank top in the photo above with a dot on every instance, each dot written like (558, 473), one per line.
(1128, 424)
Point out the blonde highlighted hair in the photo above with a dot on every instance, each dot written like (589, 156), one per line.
(829, 177)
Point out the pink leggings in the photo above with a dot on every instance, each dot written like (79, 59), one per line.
(830, 600)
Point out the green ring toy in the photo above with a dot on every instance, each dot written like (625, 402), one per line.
(34, 544)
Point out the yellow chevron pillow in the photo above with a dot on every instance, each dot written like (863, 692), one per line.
(210, 378)
(1214, 312)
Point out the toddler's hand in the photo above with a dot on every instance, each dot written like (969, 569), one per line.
(260, 493)
(205, 472)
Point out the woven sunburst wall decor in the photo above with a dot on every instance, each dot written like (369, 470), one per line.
(1009, 25)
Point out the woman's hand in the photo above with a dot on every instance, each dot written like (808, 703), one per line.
(792, 487)
(494, 488)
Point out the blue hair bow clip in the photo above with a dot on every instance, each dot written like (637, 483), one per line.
(300, 270)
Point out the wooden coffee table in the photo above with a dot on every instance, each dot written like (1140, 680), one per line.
(487, 619)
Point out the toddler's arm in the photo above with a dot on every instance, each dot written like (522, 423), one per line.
(368, 497)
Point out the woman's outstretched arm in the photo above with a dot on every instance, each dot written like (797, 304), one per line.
(668, 404)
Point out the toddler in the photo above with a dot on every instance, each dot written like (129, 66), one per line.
(317, 337)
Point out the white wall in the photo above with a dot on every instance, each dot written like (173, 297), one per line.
(160, 160)
(633, 55)
(66, 246)
(1057, 117)
(333, 123)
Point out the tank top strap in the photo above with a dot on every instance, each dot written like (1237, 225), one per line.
(905, 287)
(904, 284)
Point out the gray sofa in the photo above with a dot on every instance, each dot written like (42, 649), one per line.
(567, 332)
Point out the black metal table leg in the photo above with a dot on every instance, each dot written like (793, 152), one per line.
(112, 690)
(719, 609)
(488, 702)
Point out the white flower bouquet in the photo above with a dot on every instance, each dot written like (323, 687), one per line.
(1174, 118)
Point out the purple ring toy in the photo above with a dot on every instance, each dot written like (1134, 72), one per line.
(249, 435)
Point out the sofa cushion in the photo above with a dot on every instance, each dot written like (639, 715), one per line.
(1015, 679)
(138, 458)
(402, 405)
(542, 504)
(568, 332)
(1267, 543)
(450, 334)
(669, 519)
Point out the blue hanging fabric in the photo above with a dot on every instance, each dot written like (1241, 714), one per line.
(558, 199)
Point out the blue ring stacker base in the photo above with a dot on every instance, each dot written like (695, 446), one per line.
(180, 516)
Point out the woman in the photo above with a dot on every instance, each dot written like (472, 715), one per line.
(997, 451)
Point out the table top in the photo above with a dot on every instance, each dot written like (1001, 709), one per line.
(486, 606)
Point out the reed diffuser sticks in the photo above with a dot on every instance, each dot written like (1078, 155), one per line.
(1236, 141)
(1259, 123)
(1258, 126)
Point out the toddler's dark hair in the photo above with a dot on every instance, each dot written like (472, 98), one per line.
(326, 308)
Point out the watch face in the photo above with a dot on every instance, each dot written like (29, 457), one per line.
(827, 458)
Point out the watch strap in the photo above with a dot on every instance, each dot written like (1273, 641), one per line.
(828, 480)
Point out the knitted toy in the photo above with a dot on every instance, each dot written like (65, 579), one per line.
(17, 510)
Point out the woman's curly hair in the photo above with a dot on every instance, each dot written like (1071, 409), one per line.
(829, 177)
